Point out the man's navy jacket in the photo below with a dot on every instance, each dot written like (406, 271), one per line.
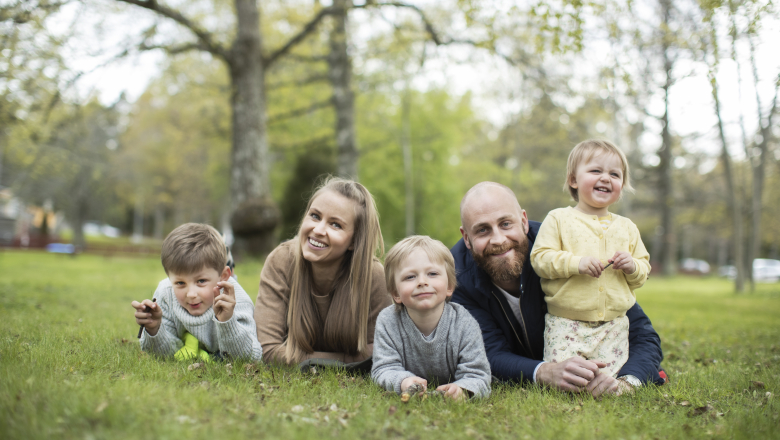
(514, 348)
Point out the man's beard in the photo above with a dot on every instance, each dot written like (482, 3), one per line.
(502, 269)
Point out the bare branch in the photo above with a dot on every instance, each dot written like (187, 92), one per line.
(305, 145)
(205, 38)
(297, 82)
(174, 50)
(309, 28)
(300, 111)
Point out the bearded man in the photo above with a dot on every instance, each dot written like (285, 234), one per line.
(498, 285)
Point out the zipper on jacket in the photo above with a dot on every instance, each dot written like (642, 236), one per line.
(507, 317)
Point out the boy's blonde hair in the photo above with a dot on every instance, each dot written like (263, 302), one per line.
(435, 250)
(583, 152)
(191, 247)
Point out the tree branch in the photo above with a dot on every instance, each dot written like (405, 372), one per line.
(297, 82)
(305, 145)
(300, 111)
(204, 37)
(309, 28)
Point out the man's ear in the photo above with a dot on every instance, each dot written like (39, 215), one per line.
(226, 272)
(465, 238)
(524, 218)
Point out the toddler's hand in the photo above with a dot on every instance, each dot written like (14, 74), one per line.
(623, 261)
(591, 266)
(148, 314)
(224, 303)
(453, 391)
(412, 380)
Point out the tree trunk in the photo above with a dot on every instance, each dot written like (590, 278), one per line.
(759, 162)
(731, 191)
(666, 197)
(340, 76)
(138, 219)
(750, 248)
(255, 214)
(406, 147)
(159, 223)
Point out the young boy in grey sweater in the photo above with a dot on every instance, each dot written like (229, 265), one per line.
(199, 308)
(424, 337)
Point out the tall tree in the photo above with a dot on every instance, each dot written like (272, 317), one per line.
(255, 214)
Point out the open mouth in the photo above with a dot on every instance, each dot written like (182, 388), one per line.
(604, 190)
(195, 306)
(317, 244)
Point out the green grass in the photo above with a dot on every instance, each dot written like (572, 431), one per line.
(70, 367)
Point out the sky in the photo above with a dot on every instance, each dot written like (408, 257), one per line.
(493, 83)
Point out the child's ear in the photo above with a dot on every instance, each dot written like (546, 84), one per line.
(226, 272)
(396, 297)
(573, 181)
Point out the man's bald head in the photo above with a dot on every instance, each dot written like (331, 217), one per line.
(481, 189)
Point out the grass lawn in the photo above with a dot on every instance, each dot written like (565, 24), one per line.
(70, 367)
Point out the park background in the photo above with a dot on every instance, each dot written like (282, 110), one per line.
(120, 120)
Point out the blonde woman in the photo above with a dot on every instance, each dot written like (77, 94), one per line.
(321, 292)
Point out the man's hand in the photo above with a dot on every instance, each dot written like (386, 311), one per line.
(225, 302)
(453, 391)
(572, 375)
(148, 314)
(412, 380)
(623, 261)
(591, 266)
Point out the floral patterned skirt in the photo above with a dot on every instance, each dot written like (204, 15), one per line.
(605, 341)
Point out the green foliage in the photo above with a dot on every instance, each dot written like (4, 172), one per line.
(71, 368)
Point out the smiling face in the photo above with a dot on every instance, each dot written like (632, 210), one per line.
(327, 230)
(599, 181)
(494, 229)
(196, 291)
(421, 284)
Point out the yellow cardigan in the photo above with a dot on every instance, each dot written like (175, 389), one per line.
(567, 235)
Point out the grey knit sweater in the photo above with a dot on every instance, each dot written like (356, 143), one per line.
(454, 354)
(237, 337)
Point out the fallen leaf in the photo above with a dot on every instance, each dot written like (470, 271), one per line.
(685, 403)
(124, 340)
(296, 409)
(334, 407)
(103, 405)
(757, 385)
(700, 410)
(229, 368)
(391, 410)
(343, 422)
(194, 366)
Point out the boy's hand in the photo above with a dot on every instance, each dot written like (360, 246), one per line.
(453, 391)
(623, 261)
(148, 314)
(225, 302)
(412, 380)
(591, 266)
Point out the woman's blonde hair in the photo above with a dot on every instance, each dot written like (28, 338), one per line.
(346, 326)
(583, 152)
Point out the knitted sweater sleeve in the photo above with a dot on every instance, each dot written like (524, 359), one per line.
(641, 259)
(238, 335)
(166, 342)
(473, 371)
(548, 258)
(388, 364)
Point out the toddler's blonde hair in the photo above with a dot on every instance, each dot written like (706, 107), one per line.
(583, 152)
